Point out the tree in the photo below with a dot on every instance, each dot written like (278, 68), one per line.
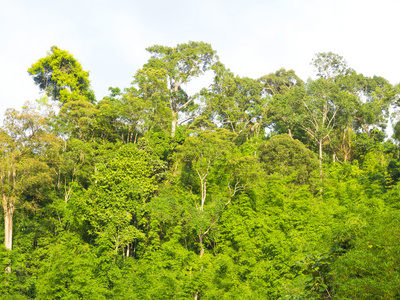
(236, 103)
(283, 111)
(283, 87)
(323, 108)
(328, 65)
(375, 95)
(288, 157)
(280, 82)
(211, 156)
(202, 152)
(113, 204)
(24, 145)
(137, 115)
(77, 119)
(61, 76)
(161, 80)
(63, 79)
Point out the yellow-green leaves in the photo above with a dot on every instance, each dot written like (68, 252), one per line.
(61, 76)
(113, 205)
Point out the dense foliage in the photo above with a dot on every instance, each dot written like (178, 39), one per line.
(269, 188)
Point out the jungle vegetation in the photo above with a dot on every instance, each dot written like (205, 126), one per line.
(268, 188)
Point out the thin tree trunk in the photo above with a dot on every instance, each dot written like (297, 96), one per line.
(203, 193)
(320, 159)
(8, 207)
(131, 138)
(8, 220)
(201, 244)
(173, 125)
(196, 296)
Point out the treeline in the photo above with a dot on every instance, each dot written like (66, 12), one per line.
(269, 188)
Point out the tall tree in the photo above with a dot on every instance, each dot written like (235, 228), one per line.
(328, 65)
(280, 82)
(161, 80)
(63, 80)
(236, 103)
(211, 156)
(24, 144)
(61, 76)
(324, 108)
(283, 87)
(113, 204)
(375, 95)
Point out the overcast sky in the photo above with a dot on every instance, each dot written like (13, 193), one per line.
(252, 38)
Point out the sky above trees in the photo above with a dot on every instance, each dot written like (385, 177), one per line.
(253, 38)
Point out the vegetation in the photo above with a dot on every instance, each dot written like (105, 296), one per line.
(269, 188)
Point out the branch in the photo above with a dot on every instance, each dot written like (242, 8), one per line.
(186, 104)
(329, 123)
(308, 130)
(177, 86)
(185, 119)
(236, 189)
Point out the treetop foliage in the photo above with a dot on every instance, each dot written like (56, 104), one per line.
(61, 76)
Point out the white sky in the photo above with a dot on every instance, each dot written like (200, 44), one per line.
(252, 38)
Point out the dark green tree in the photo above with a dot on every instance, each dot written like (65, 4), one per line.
(286, 156)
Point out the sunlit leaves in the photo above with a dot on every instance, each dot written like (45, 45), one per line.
(61, 76)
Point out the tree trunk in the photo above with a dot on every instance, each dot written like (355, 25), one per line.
(203, 193)
(8, 207)
(173, 125)
(196, 296)
(201, 244)
(320, 159)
